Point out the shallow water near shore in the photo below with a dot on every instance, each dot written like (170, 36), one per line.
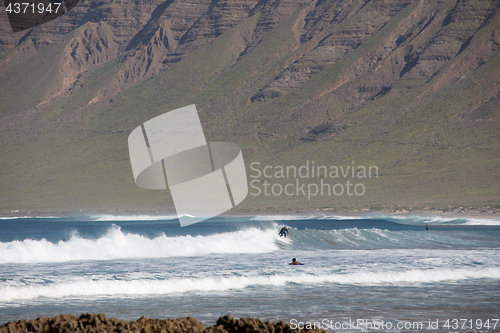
(364, 268)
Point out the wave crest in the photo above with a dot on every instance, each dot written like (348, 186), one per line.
(140, 287)
(117, 245)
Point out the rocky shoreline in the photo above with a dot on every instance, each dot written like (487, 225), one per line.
(66, 323)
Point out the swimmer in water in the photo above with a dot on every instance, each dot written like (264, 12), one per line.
(295, 262)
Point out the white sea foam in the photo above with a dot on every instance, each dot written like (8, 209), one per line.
(433, 219)
(482, 222)
(115, 244)
(401, 218)
(109, 217)
(117, 288)
(283, 217)
(28, 217)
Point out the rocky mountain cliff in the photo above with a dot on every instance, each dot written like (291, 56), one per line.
(409, 86)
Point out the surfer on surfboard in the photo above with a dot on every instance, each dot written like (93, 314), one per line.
(283, 231)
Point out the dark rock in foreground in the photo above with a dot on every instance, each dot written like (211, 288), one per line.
(66, 323)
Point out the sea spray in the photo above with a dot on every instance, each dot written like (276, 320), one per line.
(116, 244)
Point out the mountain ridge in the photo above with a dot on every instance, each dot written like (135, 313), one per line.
(409, 86)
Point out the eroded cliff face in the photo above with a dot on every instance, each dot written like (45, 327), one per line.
(402, 47)
(147, 37)
(348, 77)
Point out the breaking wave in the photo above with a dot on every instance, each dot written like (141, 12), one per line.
(138, 287)
(367, 239)
(116, 244)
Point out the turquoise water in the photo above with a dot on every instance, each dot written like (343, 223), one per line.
(369, 268)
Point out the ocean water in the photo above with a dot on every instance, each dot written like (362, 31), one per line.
(368, 270)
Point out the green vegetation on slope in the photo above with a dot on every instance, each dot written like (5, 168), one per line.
(422, 110)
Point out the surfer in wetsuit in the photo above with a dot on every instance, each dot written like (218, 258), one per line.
(295, 262)
(426, 227)
(284, 232)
